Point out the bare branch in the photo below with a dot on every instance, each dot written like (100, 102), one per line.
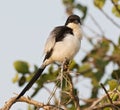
(92, 30)
(37, 104)
(53, 92)
(97, 24)
(74, 98)
(106, 93)
(108, 17)
(66, 76)
(98, 100)
(116, 103)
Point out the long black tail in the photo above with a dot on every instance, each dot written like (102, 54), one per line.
(32, 81)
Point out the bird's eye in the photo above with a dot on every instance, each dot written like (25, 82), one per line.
(71, 20)
(74, 21)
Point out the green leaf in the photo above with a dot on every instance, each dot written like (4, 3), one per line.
(115, 1)
(21, 67)
(116, 74)
(85, 67)
(118, 88)
(35, 68)
(22, 81)
(116, 50)
(68, 1)
(71, 107)
(107, 108)
(119, 41)
(115, 97)
(115, 11)
(112, 84)
(15, 79)
(83, 9)
(101, 63)
(50, 70)
(105, 44)
(73, 65)
(116, 54)
(99, 3)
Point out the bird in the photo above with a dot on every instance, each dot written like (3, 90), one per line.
(63, 43)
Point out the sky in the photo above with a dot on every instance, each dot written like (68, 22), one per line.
(24, 28)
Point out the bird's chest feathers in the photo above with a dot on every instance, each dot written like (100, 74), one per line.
(71, 43)
(76, 30)
(66, 48)
(73, 40)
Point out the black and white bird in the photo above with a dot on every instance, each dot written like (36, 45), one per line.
(62, 43)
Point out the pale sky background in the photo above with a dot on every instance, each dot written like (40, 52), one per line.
(24, 28)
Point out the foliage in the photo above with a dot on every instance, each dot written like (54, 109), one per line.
(93, 66)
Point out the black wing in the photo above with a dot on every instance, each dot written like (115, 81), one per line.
(57, 35)
(60, 32)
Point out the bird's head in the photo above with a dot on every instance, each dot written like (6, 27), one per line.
(74, 23)
(73, 19)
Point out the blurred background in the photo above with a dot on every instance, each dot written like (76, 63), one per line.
(25, 26)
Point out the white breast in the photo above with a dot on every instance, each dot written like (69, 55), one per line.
(66, 48)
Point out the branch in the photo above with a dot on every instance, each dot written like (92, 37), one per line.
(116, 6)
(97, 24)
(92, 30)
(106, 93)
(109, 18)
(75, 98)
(65, 75)
(116, 103)
(37, 104)
(98, 104)
(112, 105)
(97, 101)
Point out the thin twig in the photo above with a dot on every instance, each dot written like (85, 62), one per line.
(53, 92)
(73, 96)
(109, 18)
(92, 30)
(99, 100)
(115, 107)
(88, 100)
(64, 69)
(102, 106)
(97, 24)
(61, 79)
(106, 93)
(116, 6)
